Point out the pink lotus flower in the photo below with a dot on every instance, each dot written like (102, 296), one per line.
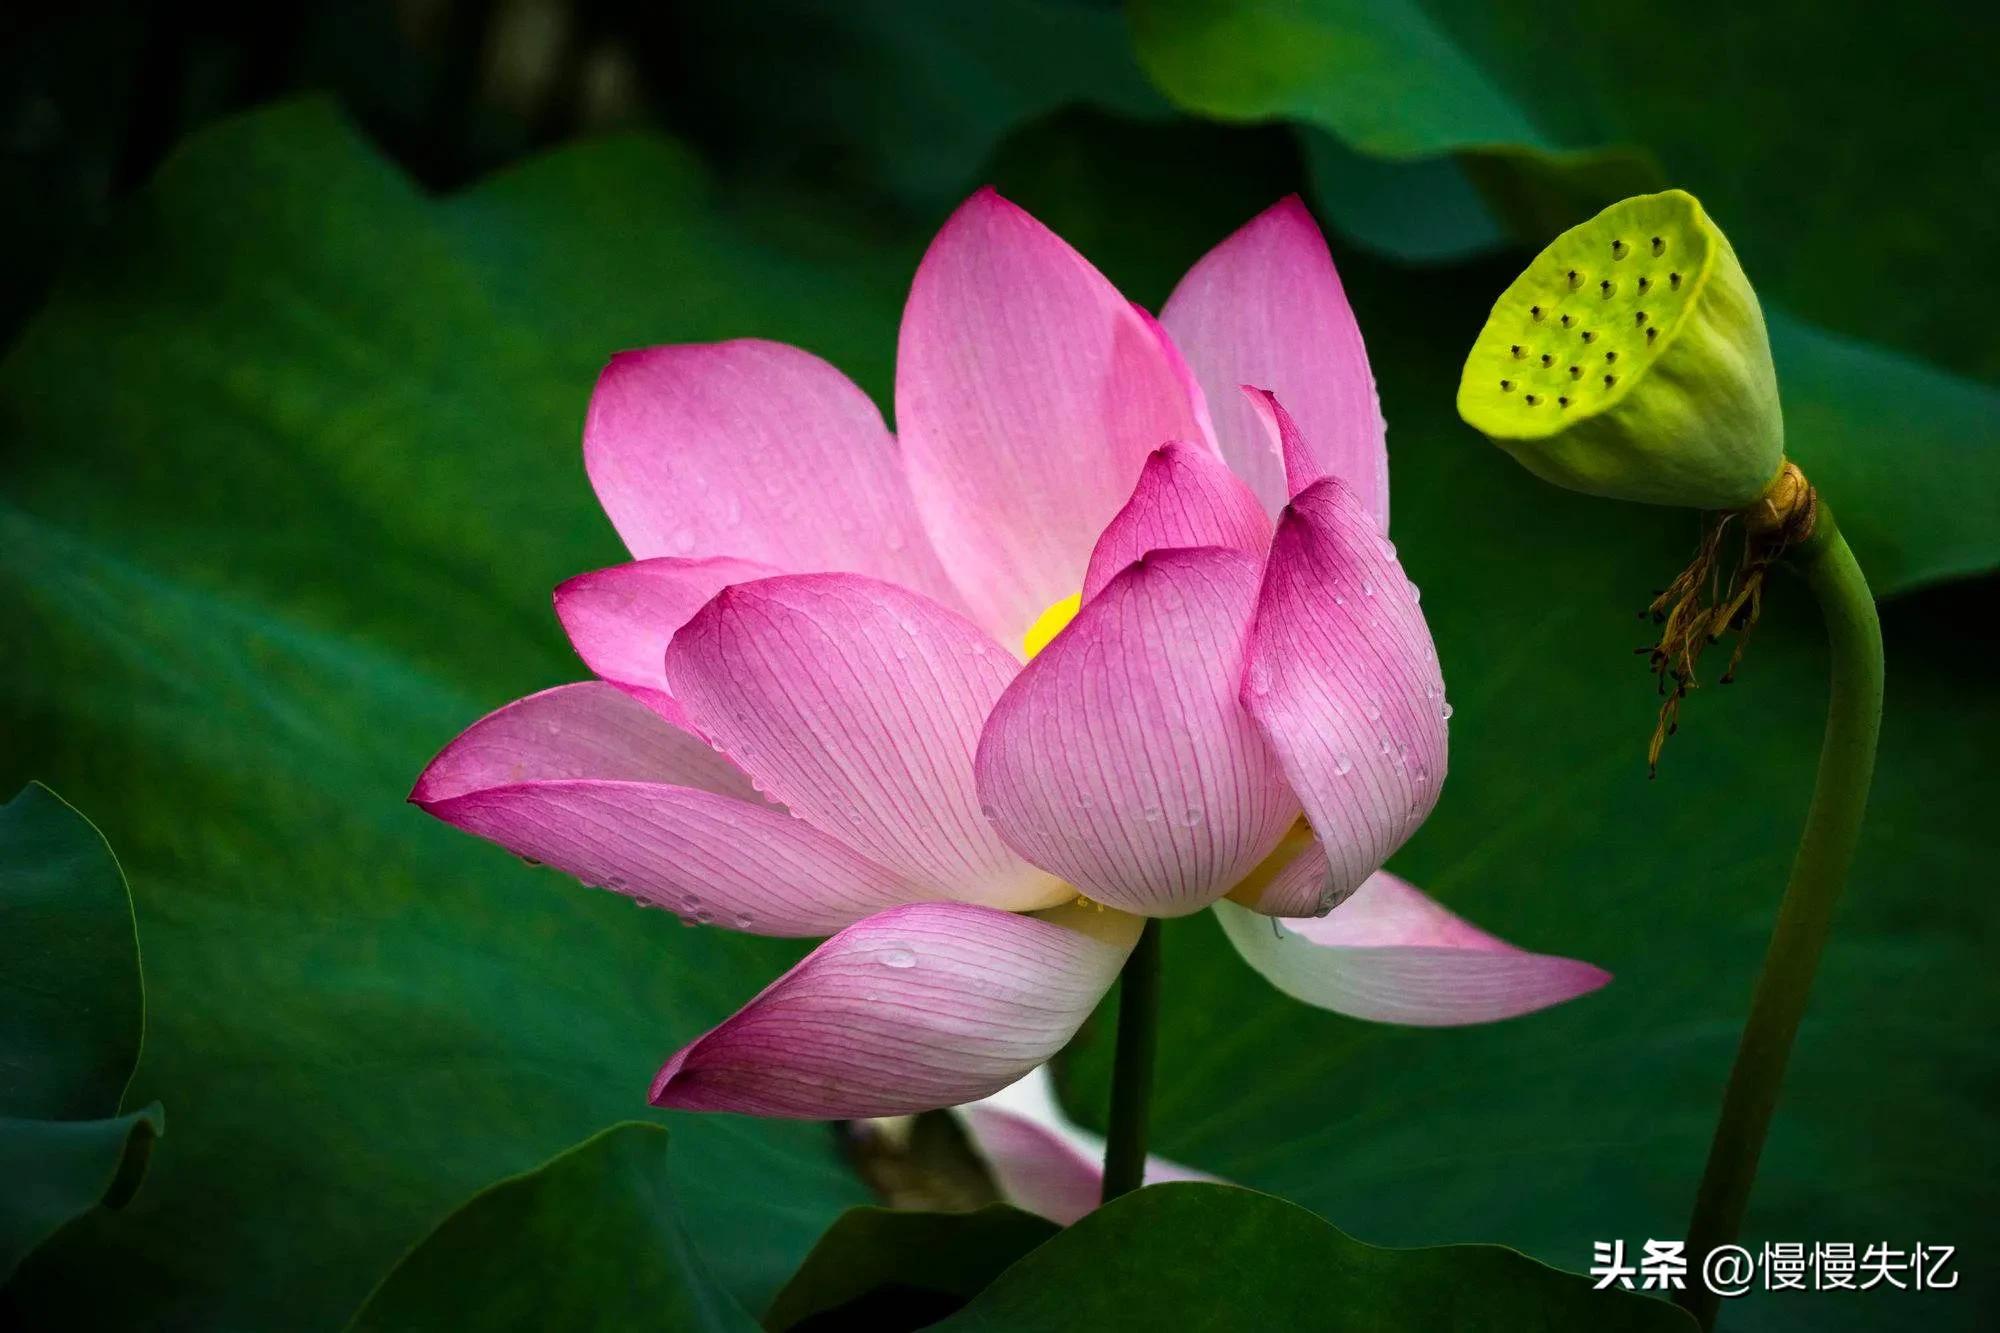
(813, 714)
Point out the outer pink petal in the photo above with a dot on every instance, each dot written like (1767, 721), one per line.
(586, 730)
(594, 783)
(1120, 758)
(1191, 386)
(757, 450)
(1391, 955)
(1343, 681)
(1266, 308)
(620, 619)
(914, 1008)
(1039, 1159)
(858, 704)
(1028, 394)
(1186, 496)
(710, 858)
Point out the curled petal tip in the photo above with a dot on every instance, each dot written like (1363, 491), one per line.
(1185, 497)
(665, 1093)
(1393, 955)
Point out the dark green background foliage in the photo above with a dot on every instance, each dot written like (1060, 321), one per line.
(606, 1208)
(291, 463)
(72, 1015)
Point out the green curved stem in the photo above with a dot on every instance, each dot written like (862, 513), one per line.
(1132, 1071)
(1826, 849)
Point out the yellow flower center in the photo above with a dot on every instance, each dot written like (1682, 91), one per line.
(1051, 623)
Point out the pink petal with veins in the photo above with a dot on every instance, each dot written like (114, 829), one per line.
(597, 785)
(1343, 682)
(1120, 758)
(858, 704)
(1028, 394)
(621, 619)
(912, 1009)
(755, 450)
(1265, 307)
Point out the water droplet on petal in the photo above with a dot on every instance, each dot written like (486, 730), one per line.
(897, 957)
(742, 921)
(1372, 713)
(1342, 765)
(1444, 711)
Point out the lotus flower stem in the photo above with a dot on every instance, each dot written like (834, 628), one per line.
(1132, 1070)
(1826, 850)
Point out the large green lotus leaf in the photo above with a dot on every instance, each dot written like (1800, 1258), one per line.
(1591, 1121)
(590, 1240)
(58, 1170)
(72, 1014)
(1205, 1257)
(884, 1269)
(292, 466)
(72, 1009)
(1830, 143)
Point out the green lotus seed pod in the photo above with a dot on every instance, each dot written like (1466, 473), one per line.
(1630, 360)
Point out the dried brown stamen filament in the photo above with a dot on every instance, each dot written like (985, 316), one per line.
(1699, 606)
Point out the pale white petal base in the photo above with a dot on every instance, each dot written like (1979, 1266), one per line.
(1390, 954)
(1041, 1160)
